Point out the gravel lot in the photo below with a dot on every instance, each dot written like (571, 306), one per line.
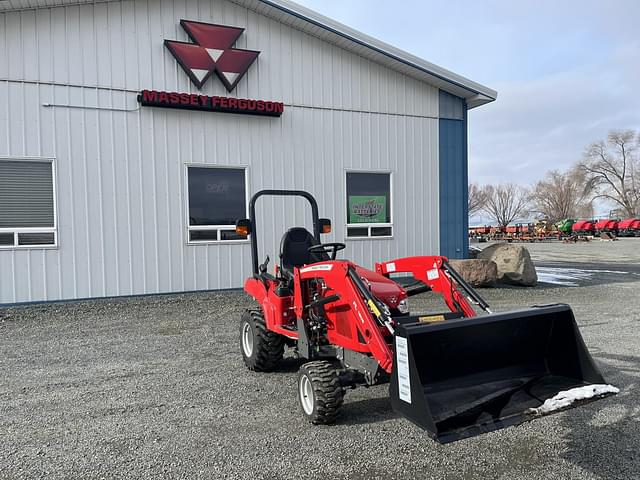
(155, 387)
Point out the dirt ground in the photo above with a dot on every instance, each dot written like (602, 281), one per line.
(155, 388)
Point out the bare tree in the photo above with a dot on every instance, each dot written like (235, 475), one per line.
(505, 203)
(476, 199)
(562, 195)
(612, 169)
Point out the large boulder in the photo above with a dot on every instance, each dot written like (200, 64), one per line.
(476, 272)
(474, 251)
(514, 263)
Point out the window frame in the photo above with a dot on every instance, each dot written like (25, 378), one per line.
(191, 228)
(368, 226)
(18, 230)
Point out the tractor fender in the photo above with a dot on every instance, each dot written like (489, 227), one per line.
(256, 289)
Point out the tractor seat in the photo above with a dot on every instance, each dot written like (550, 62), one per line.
(294, 250)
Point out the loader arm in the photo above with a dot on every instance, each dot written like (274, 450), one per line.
(365, 312)
(437, 274)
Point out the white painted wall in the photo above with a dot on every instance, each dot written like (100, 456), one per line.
(120, 169)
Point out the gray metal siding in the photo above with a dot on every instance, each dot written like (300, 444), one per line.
(121, 170)
(454, 222)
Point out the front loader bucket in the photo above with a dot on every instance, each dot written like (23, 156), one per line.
(459, 378)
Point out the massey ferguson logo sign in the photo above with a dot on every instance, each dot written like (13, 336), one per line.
(211, 52)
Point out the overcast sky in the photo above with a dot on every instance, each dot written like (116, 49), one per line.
(566, 71)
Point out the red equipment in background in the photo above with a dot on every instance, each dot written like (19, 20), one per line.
(629, 227)
(584, 227)
(607, 226)
(497, 230)
(479, 231)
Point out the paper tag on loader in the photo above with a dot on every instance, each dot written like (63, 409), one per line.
(431, 318)
(404, 381)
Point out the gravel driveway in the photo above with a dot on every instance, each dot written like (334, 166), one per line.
(155, 388)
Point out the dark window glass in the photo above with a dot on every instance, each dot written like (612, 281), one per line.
(26, 194)
(380, 231)
(368, 197)
(6, 239)
(36, 239)
(203, 235)
(216, 196)
(358, 232)
(231, 235)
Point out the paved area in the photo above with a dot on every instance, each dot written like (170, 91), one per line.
(624, 251)
(156, 388)
(587, 263)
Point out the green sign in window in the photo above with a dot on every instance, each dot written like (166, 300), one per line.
(367, 209)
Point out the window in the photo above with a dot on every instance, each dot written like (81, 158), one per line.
(217, 198)
(369, 205)
(27, 203)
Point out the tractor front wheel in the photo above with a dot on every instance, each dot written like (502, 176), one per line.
(261, 349)
(319, 392)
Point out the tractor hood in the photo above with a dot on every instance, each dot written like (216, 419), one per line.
(383, 288)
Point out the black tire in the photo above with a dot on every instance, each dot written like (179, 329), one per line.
(324, 394)
(267, 347)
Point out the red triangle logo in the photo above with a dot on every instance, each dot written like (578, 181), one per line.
(211, 51)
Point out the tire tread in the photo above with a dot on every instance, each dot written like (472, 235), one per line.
(329, 393)
(268, 346)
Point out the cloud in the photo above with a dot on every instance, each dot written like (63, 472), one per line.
(546, 122)
(566, 71)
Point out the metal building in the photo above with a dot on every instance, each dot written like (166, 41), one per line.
(133, 132)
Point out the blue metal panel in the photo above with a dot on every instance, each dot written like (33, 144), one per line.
(451, 107)
(454, 221)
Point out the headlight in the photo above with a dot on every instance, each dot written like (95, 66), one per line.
(403, 306)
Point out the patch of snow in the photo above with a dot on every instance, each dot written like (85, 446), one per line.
(561, 276)
(621, 272)
(566, 398)
(570, 277)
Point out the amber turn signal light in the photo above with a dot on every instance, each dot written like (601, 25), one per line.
(325, 225)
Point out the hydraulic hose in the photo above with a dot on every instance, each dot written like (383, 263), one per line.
(374, 304)
(469, 290)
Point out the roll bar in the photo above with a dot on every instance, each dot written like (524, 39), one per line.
(286, 193)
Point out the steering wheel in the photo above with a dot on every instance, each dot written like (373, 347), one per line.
(327, 248)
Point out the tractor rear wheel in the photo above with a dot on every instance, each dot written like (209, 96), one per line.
(319, 392)
(261, 348)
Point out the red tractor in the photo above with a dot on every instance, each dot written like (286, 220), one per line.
(452, 373)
